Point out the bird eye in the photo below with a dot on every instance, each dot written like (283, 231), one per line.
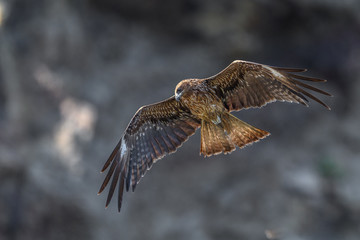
(179, 90)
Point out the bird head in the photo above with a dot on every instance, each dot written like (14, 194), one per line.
(182, 88)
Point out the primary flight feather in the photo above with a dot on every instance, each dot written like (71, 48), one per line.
(159, 129)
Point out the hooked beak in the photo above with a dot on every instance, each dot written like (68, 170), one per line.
(177, 97)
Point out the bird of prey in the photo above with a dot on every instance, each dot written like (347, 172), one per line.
(159, 129)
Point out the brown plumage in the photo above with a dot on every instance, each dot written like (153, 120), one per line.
(160, 128)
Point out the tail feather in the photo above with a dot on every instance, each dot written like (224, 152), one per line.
(214, 140)
(231, 132)
(242, 133)
(210, 145)
(204, 137)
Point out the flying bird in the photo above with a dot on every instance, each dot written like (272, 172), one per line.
(159, 129)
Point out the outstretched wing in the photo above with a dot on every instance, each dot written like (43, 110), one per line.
(245, 84)
(155, 130)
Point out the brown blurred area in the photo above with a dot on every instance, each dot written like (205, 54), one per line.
(72, 74)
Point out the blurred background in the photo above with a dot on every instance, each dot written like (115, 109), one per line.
(73, 73)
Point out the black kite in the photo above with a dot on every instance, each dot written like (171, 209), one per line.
(159, 129)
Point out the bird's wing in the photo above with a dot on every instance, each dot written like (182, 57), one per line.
(245, 84)
(154, 131)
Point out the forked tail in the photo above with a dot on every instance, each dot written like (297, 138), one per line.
(230, 132)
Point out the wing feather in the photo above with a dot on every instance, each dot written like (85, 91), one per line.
(121, 189)
(289, 69)
(154, 131)
(113, 183)
(311, 79)
(245, 84)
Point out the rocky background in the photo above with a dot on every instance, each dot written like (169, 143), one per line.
(72, 74)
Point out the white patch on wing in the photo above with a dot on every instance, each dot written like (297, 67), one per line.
(123, 147)
(274, 72)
